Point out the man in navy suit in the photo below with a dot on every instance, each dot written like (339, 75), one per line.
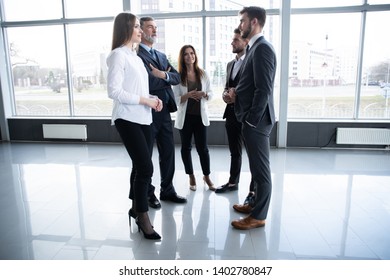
(254, 108)
(161, 76)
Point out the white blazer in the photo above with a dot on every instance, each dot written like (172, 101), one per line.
(179, 90)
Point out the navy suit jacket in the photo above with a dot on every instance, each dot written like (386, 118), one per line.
(158, 86)
(254, 93)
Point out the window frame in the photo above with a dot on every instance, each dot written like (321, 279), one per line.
(285, 11)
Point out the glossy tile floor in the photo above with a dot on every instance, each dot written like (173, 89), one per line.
(69, 201)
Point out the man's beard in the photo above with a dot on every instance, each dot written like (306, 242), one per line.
(245, 33)
(150, 39)
(238, 50)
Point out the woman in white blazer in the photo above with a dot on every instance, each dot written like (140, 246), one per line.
(192, 95)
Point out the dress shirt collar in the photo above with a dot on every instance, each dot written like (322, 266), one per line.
(241, 58)
(145, 47)
(254, 39)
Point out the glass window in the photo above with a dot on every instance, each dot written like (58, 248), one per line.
(156, 6)
(374, 2)
(92, 8)
(323, 54)
(375, 90)
(167, 38)
(224, 5)
(17, 10)
(39, 70)
(323, 65)
(219, 53)
(220, 34)
(324, 3)
(88, 54)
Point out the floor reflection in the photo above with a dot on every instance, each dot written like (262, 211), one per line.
(69, 201)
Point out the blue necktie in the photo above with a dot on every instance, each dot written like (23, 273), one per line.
(153, 53)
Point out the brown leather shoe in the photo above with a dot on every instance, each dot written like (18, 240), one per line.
(248, 223)
(246, 208)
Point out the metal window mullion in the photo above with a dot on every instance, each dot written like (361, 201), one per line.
(285, 16)
(68, 71)
(6, 84)
(204, 32)
(360, 66)
(7, 96)
(69, 79)
(126, 5)
(204, 41)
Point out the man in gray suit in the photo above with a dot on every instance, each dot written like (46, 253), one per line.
(254, 108)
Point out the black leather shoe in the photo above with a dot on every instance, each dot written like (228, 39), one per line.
(153, 202)
(173, 198)
(226, 188)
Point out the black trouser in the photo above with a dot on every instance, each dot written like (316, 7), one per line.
(193, 126)
(137, 139)
(236, 140)
(162, 133)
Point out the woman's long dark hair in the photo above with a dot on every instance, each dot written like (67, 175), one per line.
(183, 69)
(123, 29)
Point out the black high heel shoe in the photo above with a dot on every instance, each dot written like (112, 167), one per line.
(152, 236)
(132, 214)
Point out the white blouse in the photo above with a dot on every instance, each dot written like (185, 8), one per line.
(127, 81)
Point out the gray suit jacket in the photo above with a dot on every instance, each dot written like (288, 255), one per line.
(254, 93)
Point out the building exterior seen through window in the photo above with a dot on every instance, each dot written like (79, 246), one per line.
(58, 68)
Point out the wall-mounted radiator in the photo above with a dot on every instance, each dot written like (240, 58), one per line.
(363, 136)
(65, 131)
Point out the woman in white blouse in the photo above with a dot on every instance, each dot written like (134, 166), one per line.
(128, 86)
(192, 95)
